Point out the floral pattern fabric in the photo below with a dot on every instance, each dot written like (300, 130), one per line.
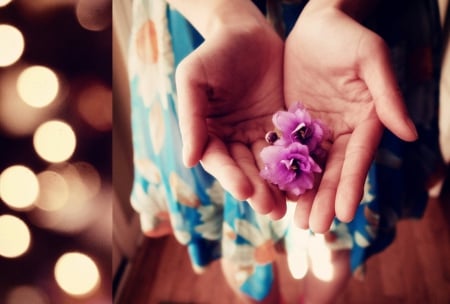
(211, 223)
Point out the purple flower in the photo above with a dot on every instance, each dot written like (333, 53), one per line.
(290, 167)
(296, 125)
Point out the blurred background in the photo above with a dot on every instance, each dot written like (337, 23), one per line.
(55, 151)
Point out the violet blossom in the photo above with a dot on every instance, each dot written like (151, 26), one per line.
(297, 125)
(291, 168)
(289, 162)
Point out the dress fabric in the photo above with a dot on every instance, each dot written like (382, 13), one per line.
(209, 221)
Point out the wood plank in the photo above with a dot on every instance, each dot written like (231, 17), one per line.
(164, 283)
(429, 245)
(138, 283)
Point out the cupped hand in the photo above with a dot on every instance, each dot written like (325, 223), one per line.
(341, 72)
(228, 90)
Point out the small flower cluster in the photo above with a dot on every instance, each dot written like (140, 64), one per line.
(290, 160)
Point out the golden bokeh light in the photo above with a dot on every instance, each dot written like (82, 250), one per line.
(54, 192)
(90, 179)
(19, 187)
(12, 44)
(38, 86)
(18, 118)
(15, 237)
(80, 209)
(26, 294)
(77, 274)
(54, 141)
(4, 2)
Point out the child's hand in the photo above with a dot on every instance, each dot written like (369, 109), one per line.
(341, 72)
(228, 90)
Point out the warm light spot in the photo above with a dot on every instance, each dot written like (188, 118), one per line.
(11, 44)
(54, 141)
(18, 118)
(76, 274)
(320, 256)
(297, 242)
(82, 206)
(26, 294)
(38, 86)
(95, 106)
(89, 20)
(54, 192)
(15, 236)
(298, 264)
(90, 178)
(19, 187)
(4, 2)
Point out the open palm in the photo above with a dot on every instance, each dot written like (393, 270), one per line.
(228, 90)
(341, 72)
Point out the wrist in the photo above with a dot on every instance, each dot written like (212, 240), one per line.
(213, 16)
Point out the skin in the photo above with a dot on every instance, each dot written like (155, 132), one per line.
(349, 84)
(228, 90)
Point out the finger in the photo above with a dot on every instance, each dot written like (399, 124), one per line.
(192, 109)
(304, 204)
(217, 161)
(322, 211)
(278, 212)
(358, 158)
(303, 209)
(266, 198)
(279, 203)
(377, 72)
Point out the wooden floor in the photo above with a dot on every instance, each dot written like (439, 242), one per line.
(414, 269)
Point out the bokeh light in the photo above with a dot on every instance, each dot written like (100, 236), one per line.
(94, 15)
(11, 44)
(19, 187)
(76, 273)
(54, 141)
(18, 118)
(94, 105)
(38, 86)
(26, 294)
(79, 209)
(15, 237)
(46, 61)
(54, 192)
(4, 2)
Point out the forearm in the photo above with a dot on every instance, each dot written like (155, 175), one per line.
(207, 16)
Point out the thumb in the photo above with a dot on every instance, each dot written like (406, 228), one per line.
(378, 73)
(192, 109)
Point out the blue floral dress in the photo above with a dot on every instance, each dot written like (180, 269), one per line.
(211, 223)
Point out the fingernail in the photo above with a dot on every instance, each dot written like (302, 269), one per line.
(413, 129)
